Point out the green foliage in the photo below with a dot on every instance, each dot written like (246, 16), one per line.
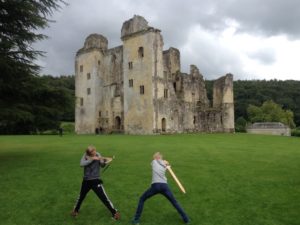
(240, 124)
(256, 92)
(27, 103)
(295, 133)
(270, 112)
(230, 179)
(68, 127)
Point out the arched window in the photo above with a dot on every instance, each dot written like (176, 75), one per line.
(163, 124)
(141, 52)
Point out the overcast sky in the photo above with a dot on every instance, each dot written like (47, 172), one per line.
(252, 39)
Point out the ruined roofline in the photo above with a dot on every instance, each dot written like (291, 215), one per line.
(84, 51)
(167, 51)
(149, 29)
(115, 48)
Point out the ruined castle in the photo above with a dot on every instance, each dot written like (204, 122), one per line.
(138, 88)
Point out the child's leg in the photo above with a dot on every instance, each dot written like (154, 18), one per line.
(85, 188)
(169, 195)
(100, 192)
(148, 194)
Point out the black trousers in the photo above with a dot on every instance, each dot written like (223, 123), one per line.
(98, 188)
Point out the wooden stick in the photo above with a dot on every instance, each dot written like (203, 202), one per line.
(176, 179)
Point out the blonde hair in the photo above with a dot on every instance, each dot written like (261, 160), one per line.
(157, 154)
(90, 149)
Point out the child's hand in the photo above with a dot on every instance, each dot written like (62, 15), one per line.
(166, 162)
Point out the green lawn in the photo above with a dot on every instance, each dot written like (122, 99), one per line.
(230, 179)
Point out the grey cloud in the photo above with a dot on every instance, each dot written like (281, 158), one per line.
(266, 56)
(175, 18)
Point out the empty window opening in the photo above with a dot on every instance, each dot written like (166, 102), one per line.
(194, 120)
(99, 113)
(81, 101)
(163, 124)
(131, 83)
(174, 85)
(130, 65)
(99, 62)
(142, 89)
(166, 93)
(88, 91)
(81, 68)
(118, 123)
(141, 52)
(88, 75)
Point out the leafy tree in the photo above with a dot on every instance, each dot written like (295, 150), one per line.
(271, 112)
(20, 22)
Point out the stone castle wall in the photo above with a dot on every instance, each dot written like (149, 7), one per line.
(138, 88)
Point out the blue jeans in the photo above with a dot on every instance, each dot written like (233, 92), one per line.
(159, 188)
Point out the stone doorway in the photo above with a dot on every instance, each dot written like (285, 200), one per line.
(118, 123)
(163, 124)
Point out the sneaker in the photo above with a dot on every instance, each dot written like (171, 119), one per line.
(135, 222)
(74, 213)
(116, 216)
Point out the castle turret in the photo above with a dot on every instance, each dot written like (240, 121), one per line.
(87, 81)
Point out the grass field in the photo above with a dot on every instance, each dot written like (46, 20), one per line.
(230, 179)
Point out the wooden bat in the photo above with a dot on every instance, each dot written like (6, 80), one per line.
(176, 179)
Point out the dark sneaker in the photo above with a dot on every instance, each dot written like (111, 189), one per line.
(135, 222)
(116, 216)
(74, 213)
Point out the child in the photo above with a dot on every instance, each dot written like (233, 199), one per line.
(92, 161)
(159, 186)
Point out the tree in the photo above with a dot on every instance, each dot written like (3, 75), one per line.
(20, 22)
(270, 112)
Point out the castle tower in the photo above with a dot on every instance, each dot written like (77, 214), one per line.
(87, 72)
(223, 99)
(142, 66)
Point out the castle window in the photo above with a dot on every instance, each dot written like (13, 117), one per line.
(99, 113)
(81, 68)
(88, 75)
(131, 83)
(141, 52)
(81, 101)
(194, 121)
(88, 91)
(99, 62)
(166, 93)
(174, 85)
(130, 65)
(142, 89)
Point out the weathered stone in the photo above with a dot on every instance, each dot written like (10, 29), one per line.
(137, 88)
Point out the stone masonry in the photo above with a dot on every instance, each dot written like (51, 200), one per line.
(138, 88)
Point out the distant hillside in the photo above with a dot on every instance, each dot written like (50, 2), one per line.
(285, 93)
